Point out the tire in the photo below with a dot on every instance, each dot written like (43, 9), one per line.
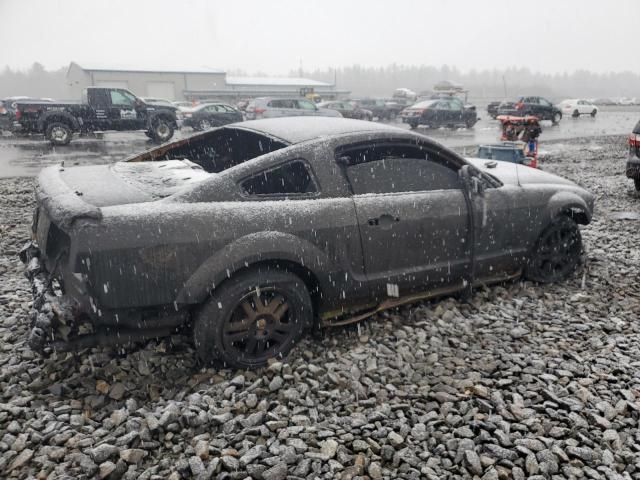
(413, 125)
(575, 114)
(161, 130)
(148, 133)
(557, 252)
(230, 328)
(555, 119)
(58, 133)
(593, 113)
(204, 124)
(470, 122)
(636, 182)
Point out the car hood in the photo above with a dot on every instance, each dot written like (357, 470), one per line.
(514, 174)
(130, 182)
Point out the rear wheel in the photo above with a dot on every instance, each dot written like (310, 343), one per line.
(555, 119)
(470, 122)
(58, 133)
(161, 130)
(557, 252)
(636, 182)
(413, 125)
(256, 315)
(593, 113)
(576, 114)
(204, 124)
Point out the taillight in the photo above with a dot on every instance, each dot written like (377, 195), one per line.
(3, 110)
(18, 114)
(259, 111)
(519, 106)
(634, 140)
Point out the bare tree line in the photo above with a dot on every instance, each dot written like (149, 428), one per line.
(481, 84)
(361, 80)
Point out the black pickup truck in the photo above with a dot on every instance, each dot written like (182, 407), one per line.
(101, 109)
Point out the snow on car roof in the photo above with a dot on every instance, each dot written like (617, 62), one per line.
(424, 104)
(299, 129)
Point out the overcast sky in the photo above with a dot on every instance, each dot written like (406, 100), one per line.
(275, 36)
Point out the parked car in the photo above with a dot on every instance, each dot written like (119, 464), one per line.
(492, 109)
(380, 108)
(157, 101)
(603, 101)
(633, 161)
(272, 107)
(8, 110)
(348, 109)
(255, 231)
(537, 106)
(184, 104)
(444, 112)
(576, 106)
(102, 108)
(209, 115)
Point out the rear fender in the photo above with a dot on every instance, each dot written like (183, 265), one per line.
(252, 249)
(57, 116)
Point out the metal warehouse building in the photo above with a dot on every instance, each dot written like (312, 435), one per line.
(190, 83)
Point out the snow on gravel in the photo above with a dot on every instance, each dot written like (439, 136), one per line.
(523, 381)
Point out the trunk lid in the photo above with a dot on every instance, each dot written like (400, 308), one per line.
(136, 182)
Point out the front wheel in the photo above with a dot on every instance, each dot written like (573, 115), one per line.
(256, 315)
(58, 133)
(555, 119)
(593, 113)
(161, 130)
(470, 122)
(556, 253)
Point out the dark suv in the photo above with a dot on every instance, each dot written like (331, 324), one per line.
(538, 106)
(633, 162)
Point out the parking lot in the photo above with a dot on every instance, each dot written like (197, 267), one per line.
(26, 156)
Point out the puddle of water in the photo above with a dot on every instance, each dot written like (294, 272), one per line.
(625, 216)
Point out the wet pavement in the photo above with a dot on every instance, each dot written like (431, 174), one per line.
(26, 156)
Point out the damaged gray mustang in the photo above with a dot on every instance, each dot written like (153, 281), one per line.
(251, 233)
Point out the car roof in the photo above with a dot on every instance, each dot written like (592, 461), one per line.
(300, 129)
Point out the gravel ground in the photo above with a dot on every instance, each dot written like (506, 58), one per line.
(525, 381)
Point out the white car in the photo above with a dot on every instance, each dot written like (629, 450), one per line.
(575, 107)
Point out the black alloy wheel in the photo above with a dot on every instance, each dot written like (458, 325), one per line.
(253, 317)
(557, 252)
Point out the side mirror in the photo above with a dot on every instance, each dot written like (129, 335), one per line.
(472, 179)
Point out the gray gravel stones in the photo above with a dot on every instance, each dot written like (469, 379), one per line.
(525, 381)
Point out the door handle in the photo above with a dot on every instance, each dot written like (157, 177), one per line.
(384, 221)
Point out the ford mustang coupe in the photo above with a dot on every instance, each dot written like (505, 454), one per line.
(251, 233)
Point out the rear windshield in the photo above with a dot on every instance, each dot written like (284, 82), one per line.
(636, 129)
(217, 150)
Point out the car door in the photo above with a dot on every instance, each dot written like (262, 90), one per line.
(436, 114)
(281, 108)
(122, 112)
(413, 217)
(456, 111)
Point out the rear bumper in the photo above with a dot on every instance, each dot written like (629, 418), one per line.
(53, 316)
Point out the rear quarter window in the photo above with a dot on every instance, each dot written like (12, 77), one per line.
(292, 178)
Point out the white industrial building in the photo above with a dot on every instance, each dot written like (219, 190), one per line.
(190, 83)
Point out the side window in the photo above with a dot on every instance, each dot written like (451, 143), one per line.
(456, 104)
(306, 105)
(544, 102)
(276, 104)
(398, 168)
(293, 178)
(119, 98)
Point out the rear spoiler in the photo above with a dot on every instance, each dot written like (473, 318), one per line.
(63, 205)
